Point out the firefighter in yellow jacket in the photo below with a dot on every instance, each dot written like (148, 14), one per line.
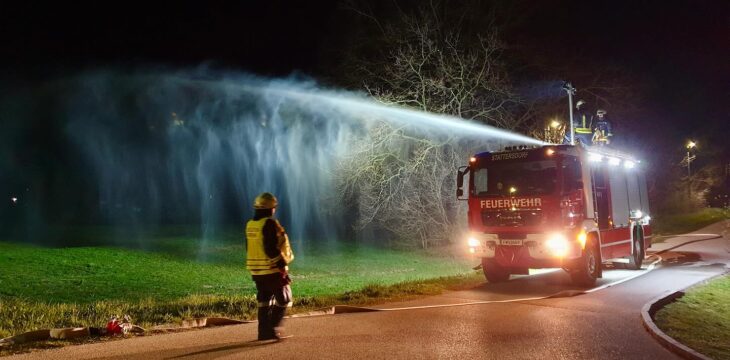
(268, 256)
(582, 123)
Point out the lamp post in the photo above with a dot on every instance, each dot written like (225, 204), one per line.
(568, 87)
(690, 145)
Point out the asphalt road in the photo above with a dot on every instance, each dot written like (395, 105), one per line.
(603, 324)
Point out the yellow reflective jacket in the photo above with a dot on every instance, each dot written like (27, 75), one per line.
(582, 127)
(257, 262)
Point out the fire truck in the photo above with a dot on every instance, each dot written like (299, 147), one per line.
(555, 206)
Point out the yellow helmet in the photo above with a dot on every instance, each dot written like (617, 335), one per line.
(265, 200)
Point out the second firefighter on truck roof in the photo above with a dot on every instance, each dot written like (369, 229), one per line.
(602, 131)
(588, 132)
(268, 254)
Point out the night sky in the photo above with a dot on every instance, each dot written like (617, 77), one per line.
(678, 50)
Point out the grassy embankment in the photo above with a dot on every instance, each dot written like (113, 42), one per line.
(173, 280)
(673, 224)
(701, 319)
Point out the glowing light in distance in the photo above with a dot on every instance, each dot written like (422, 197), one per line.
(629, 164)
(614, 161)
(557, 244)
(472, 159)
(691, 144)
(512, 190)
(473, 242)
(550, 152)
(554, 124)
(595, 157)
(14, 200)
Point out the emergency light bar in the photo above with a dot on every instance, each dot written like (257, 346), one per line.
(520, 147)
(595, 154)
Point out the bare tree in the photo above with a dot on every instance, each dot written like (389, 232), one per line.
(433, 68)
(405, 183)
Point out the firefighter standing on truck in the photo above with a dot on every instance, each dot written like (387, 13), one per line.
(268, 256)
(603, 131)
(582, 123)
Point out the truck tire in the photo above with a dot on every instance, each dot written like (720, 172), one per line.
(586, 269)
(637, 253)
(494, 272)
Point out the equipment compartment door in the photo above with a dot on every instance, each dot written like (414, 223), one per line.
(619, 197)
(602, 197)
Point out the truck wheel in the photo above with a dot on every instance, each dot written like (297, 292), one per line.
(586, 269)
(637, 256)
(494, 272)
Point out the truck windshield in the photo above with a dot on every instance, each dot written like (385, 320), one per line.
(516, 178)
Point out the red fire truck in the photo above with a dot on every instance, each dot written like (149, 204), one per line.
(556, 206)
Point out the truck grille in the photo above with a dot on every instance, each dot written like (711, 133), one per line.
(512, 218)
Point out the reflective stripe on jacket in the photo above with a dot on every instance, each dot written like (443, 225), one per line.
(583, 128)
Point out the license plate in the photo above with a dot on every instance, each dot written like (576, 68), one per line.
(511, 242)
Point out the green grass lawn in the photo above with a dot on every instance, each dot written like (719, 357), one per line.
(673, 224)
(701, 319)
(175, 278)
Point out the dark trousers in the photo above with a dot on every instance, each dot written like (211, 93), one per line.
(273, 298)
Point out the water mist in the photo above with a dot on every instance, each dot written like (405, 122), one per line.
(195, 147)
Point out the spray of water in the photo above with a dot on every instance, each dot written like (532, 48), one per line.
(359, 108)
(197, 146)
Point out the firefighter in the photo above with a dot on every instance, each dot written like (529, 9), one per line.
(268, 256)
(602, 133)
(581, 124)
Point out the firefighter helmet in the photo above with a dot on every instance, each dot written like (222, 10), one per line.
(579, 103)
(265, 200)
(601, 112)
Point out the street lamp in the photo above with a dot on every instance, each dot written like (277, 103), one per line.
(690, 145)
(568, 87)
(554, 131)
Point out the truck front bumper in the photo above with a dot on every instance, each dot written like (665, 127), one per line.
(534, 251)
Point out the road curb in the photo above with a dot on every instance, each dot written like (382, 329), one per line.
(82, 332)
(647, 316)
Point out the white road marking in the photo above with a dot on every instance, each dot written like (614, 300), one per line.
(648, 269)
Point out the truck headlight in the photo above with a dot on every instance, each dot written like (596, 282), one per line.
(558, 244)
(473, 242)
(582, 237)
